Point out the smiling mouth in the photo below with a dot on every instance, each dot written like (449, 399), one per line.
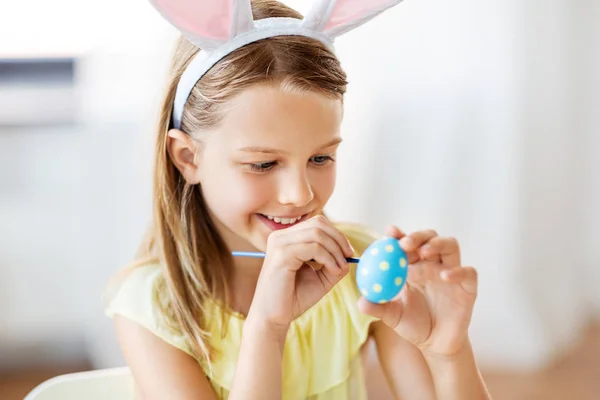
(284, 220)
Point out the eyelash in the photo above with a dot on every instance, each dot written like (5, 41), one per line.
(267, 166)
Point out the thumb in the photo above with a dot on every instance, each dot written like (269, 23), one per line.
(389, 313)
(394, 232)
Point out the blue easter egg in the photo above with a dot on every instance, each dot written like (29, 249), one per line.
(382, 270)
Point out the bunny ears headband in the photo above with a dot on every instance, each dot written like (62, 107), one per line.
(219, 27)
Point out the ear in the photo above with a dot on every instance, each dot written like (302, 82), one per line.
(335, 17)
(184, 152)
(207, 23)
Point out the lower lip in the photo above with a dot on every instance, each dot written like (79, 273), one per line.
(275, 226)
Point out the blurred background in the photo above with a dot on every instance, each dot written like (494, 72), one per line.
(478, 119)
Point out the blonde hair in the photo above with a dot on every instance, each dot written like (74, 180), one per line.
(183, 238)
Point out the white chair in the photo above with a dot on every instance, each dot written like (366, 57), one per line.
(103, 384)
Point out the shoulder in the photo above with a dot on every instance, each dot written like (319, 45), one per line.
(132, 291)
(139, 295)
(160, 361)
(156, 350)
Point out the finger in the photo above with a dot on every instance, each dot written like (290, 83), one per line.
(465, 276)
(390, 313)
(314, 265)
(314, 252)
(317, 267)
(395, 232)
(413, 257)
(333, 246)
(333, 278)
(315, 234)
(414, 241)
(443, 249)
(411, 244)
(323, 223)
(424, 271)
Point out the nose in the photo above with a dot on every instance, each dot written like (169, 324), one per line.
(295, 189)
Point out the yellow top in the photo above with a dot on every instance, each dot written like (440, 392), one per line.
(321, 359)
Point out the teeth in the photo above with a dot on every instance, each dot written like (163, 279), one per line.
(284, 221)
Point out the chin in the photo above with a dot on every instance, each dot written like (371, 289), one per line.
(258, 241)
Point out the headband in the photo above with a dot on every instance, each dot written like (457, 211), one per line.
(218, 27)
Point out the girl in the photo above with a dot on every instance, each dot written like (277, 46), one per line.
(245, 161)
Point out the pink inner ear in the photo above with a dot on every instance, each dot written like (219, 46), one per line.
(206, 18)
(346, 11)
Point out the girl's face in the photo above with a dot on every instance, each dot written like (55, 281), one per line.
(269, 164)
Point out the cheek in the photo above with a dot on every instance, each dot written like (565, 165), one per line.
(232, 193)
(323, 183)
(252, 192)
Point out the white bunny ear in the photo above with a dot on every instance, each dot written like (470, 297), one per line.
(207, 23)
(335, 17)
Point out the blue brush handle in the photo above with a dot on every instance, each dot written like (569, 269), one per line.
(258, 254)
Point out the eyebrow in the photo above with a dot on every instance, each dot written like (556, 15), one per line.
(257, 149)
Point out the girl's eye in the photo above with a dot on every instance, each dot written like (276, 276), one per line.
(262, 167)
(321, 160)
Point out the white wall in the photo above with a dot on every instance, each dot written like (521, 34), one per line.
(75, 199)
(588, 122)
(60, 211)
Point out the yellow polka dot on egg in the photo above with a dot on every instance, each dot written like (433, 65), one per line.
(364, 271)
(384, 265)
(364, 292)
(389, 248)
(382, 301)
(374, 251)
(403, 262)
(377, 288)
(398, 281)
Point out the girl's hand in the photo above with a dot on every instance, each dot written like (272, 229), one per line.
(433, 311)
(289, 282)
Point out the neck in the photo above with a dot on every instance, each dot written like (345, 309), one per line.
(244, 273)
(244, 278)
